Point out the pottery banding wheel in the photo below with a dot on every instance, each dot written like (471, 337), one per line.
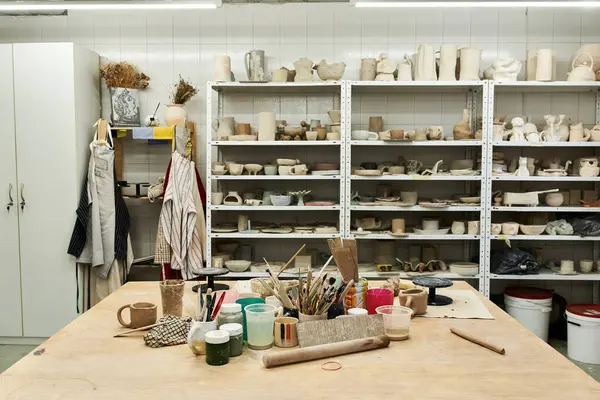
(210, 274)
(432, 283)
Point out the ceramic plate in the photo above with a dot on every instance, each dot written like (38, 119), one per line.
(361, 233)
(223, 229)
(276, 230)
(462, 172)
(242, 138)
(572, 273)
(254, 81)
(219, 172)
(396, 234)
(319, 203)
(330, 172)
(433, 205)
(442, 231)
(326, 230)
(387, 199)
(368, 172)
(471, 200)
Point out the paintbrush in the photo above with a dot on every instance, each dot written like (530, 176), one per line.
(325, 265)
(274, 279)
(290, 260)
(207, 305)
(283, 297)
(218, 306)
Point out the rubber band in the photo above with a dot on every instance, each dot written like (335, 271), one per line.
(334, 366)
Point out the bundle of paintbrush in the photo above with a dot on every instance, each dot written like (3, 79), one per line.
(277, 288)
(317, 295)
(208, 309)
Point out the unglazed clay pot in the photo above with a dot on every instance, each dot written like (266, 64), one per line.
(175, 115)
(415, 299)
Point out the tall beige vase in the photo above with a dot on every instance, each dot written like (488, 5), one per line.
(544, 71)
(266, 126)
(448, 54)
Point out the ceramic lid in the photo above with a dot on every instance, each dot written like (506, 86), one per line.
(233, 329)
(585, 310)
(216, 337)
(529, 293)
(357, 311)
(230, 308)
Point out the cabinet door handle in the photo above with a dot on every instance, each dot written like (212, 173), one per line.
(22, 198)
(10, 199)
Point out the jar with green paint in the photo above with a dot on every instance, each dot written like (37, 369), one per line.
(217, 347)
(236, 341)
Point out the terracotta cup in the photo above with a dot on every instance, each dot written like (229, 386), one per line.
(415, 299)
(321, 133)
(244, 129)
(284, 332)
(141, 314)
(398, 225)
(171, 294)
(397, 134)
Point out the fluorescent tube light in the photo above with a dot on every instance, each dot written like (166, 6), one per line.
(123, 5)
(477, 4)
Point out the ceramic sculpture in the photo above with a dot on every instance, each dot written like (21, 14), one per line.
(330, 72)
(462, 130)
(304, 71)
(385, 68)
(503, 69)
(368, 69)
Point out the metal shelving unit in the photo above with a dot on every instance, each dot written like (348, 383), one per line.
(480, 100)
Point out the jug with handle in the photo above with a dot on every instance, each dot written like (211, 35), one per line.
(425, 65)
(584, 72)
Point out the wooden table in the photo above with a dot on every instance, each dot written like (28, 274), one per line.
(84, 361)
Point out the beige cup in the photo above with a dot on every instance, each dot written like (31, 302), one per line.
(586, 266)
(496, 229)
(398, 225)
(473, 228)
(333, 136)
(299, 169)
(270, 169)
(284, 170)
(141, 314)
(408, 197)
(567, 267)
(216, 198)
(217, 262)
(311, 135)
(280, 75)
(218, 167)
(385, 135)
(236, 169)
(397, 134)
(321, 133)
(284, 332)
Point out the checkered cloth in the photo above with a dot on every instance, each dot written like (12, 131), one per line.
(171, 334)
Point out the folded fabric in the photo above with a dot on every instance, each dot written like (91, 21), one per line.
(152, 133)
(174, 332)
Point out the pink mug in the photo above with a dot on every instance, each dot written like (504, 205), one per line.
(379, 297)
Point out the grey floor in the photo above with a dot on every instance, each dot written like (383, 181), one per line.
(10, 354)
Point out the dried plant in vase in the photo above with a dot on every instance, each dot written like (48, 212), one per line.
(124, 80)
(181, 93)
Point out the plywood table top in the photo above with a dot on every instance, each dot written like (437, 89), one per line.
(84, 361)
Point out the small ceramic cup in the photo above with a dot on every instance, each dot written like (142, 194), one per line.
(311, 135)
(473, 228)
(299, 169)
(397, 134)
(284, 332)
(141, 314)
(284, 170)
(586, 266)
(385, 135)
(409, 197)
(510, 228)
(398, 225)
(218, 168)
(216, 198)
(280, 75)
(270, 169)
(567, 267)
(496, 229)
(217, 262)
(333, 136)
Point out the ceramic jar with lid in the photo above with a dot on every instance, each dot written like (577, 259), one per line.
(236, 340)
(230, 313)
(217, 347)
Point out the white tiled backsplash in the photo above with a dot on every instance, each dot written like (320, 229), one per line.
(166, 44)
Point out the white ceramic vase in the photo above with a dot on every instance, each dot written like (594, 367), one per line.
(470, 59)
(448, 53)
(425, 64)
(222, 69)
(544, 70)
(266, 126)
(175, 115)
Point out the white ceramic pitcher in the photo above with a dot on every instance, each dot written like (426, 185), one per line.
(425, 64)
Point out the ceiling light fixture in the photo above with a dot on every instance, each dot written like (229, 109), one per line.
(477, 4)
(115, 5)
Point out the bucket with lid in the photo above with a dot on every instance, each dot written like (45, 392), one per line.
(583, 332)
(531, 307)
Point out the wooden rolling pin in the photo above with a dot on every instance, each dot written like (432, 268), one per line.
(325, 350)
(481, 342)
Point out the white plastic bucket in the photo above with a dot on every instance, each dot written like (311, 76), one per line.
(531, 307)
(583, 333)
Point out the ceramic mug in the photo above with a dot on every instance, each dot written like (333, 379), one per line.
(285, 332)
(270, 169)
(299, 169)
(216, 198)
(408, 197)
(567, 267)
(141, 314)
(415, 299)
(398, 225)
(311, 135)
(333, 136)
(236, 169)
(280, 75)
(284, 170)
(586, 266)
(473, 228)
(458, 228)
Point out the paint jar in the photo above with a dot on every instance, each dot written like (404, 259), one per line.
(217, 347)
(357, 295)
(230, 313)
(236, 340)
(379, 297)
(260, 319)
(244, 302)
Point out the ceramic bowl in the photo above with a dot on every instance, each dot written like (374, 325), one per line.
(532, 229)
(237, 265)
(281, 200)
(253, 169)
(510, 228)
(287, 161)
(464, 268)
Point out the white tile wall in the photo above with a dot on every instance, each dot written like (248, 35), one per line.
(166, 44)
